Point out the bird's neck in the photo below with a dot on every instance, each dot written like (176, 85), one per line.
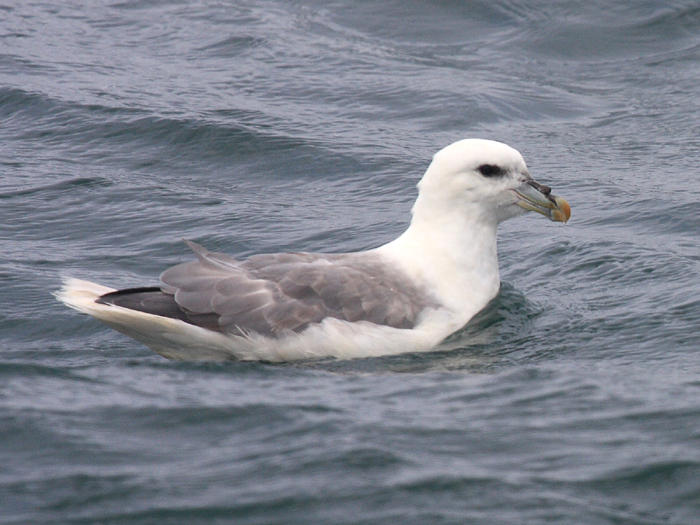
(454, 252)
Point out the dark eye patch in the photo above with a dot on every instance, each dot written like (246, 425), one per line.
(490, 170)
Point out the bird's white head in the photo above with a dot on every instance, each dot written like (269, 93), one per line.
(469, 187)
(483, 180)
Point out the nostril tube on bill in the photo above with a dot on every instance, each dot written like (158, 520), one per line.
(545, 190)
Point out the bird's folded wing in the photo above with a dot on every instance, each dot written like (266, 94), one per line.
(275, 293)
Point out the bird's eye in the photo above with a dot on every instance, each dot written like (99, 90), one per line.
(490, 170)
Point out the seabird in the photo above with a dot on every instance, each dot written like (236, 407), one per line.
(405, 296)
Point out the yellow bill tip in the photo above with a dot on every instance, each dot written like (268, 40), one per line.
(562, 212)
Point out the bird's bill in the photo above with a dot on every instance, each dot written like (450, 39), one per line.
(533, 196)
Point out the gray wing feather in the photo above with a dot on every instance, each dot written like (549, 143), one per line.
(271, 294)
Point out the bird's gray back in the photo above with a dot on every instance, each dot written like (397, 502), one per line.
(273, 293)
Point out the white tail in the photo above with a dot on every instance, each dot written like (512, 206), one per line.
(81, 295)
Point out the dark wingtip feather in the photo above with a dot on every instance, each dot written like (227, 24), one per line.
(152, 300)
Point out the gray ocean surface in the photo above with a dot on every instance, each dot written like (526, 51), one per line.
(265, 126)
